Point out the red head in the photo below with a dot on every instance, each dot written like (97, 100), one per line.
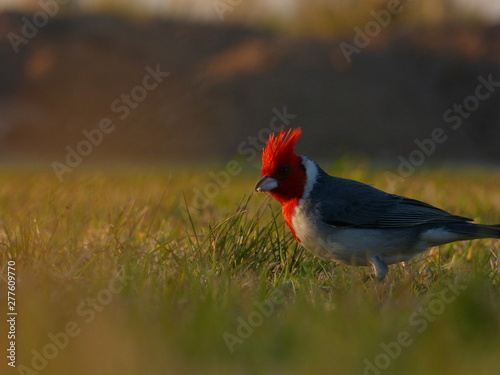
(283, 174)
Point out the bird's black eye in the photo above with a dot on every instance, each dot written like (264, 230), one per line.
(283, 171)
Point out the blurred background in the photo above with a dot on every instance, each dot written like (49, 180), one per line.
(367, 78)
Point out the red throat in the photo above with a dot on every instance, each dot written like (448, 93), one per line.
(287, 209)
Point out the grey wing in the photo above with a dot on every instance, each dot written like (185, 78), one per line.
(354, 204)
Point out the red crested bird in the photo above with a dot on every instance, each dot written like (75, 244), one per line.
(350, 222)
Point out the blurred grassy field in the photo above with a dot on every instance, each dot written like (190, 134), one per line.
(118, 272)
(317, 18)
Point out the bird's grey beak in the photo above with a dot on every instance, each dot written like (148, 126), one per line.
(266, 184)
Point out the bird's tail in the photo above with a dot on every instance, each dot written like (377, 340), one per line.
(472, 231)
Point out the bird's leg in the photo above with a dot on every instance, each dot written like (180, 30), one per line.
(379, 267)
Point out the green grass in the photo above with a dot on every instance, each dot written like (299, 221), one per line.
(146, 283)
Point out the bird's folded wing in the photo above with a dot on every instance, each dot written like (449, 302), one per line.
(363, 206)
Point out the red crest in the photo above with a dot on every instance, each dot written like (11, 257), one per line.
(279, 150)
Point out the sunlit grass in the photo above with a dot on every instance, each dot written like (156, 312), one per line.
(154, 283)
